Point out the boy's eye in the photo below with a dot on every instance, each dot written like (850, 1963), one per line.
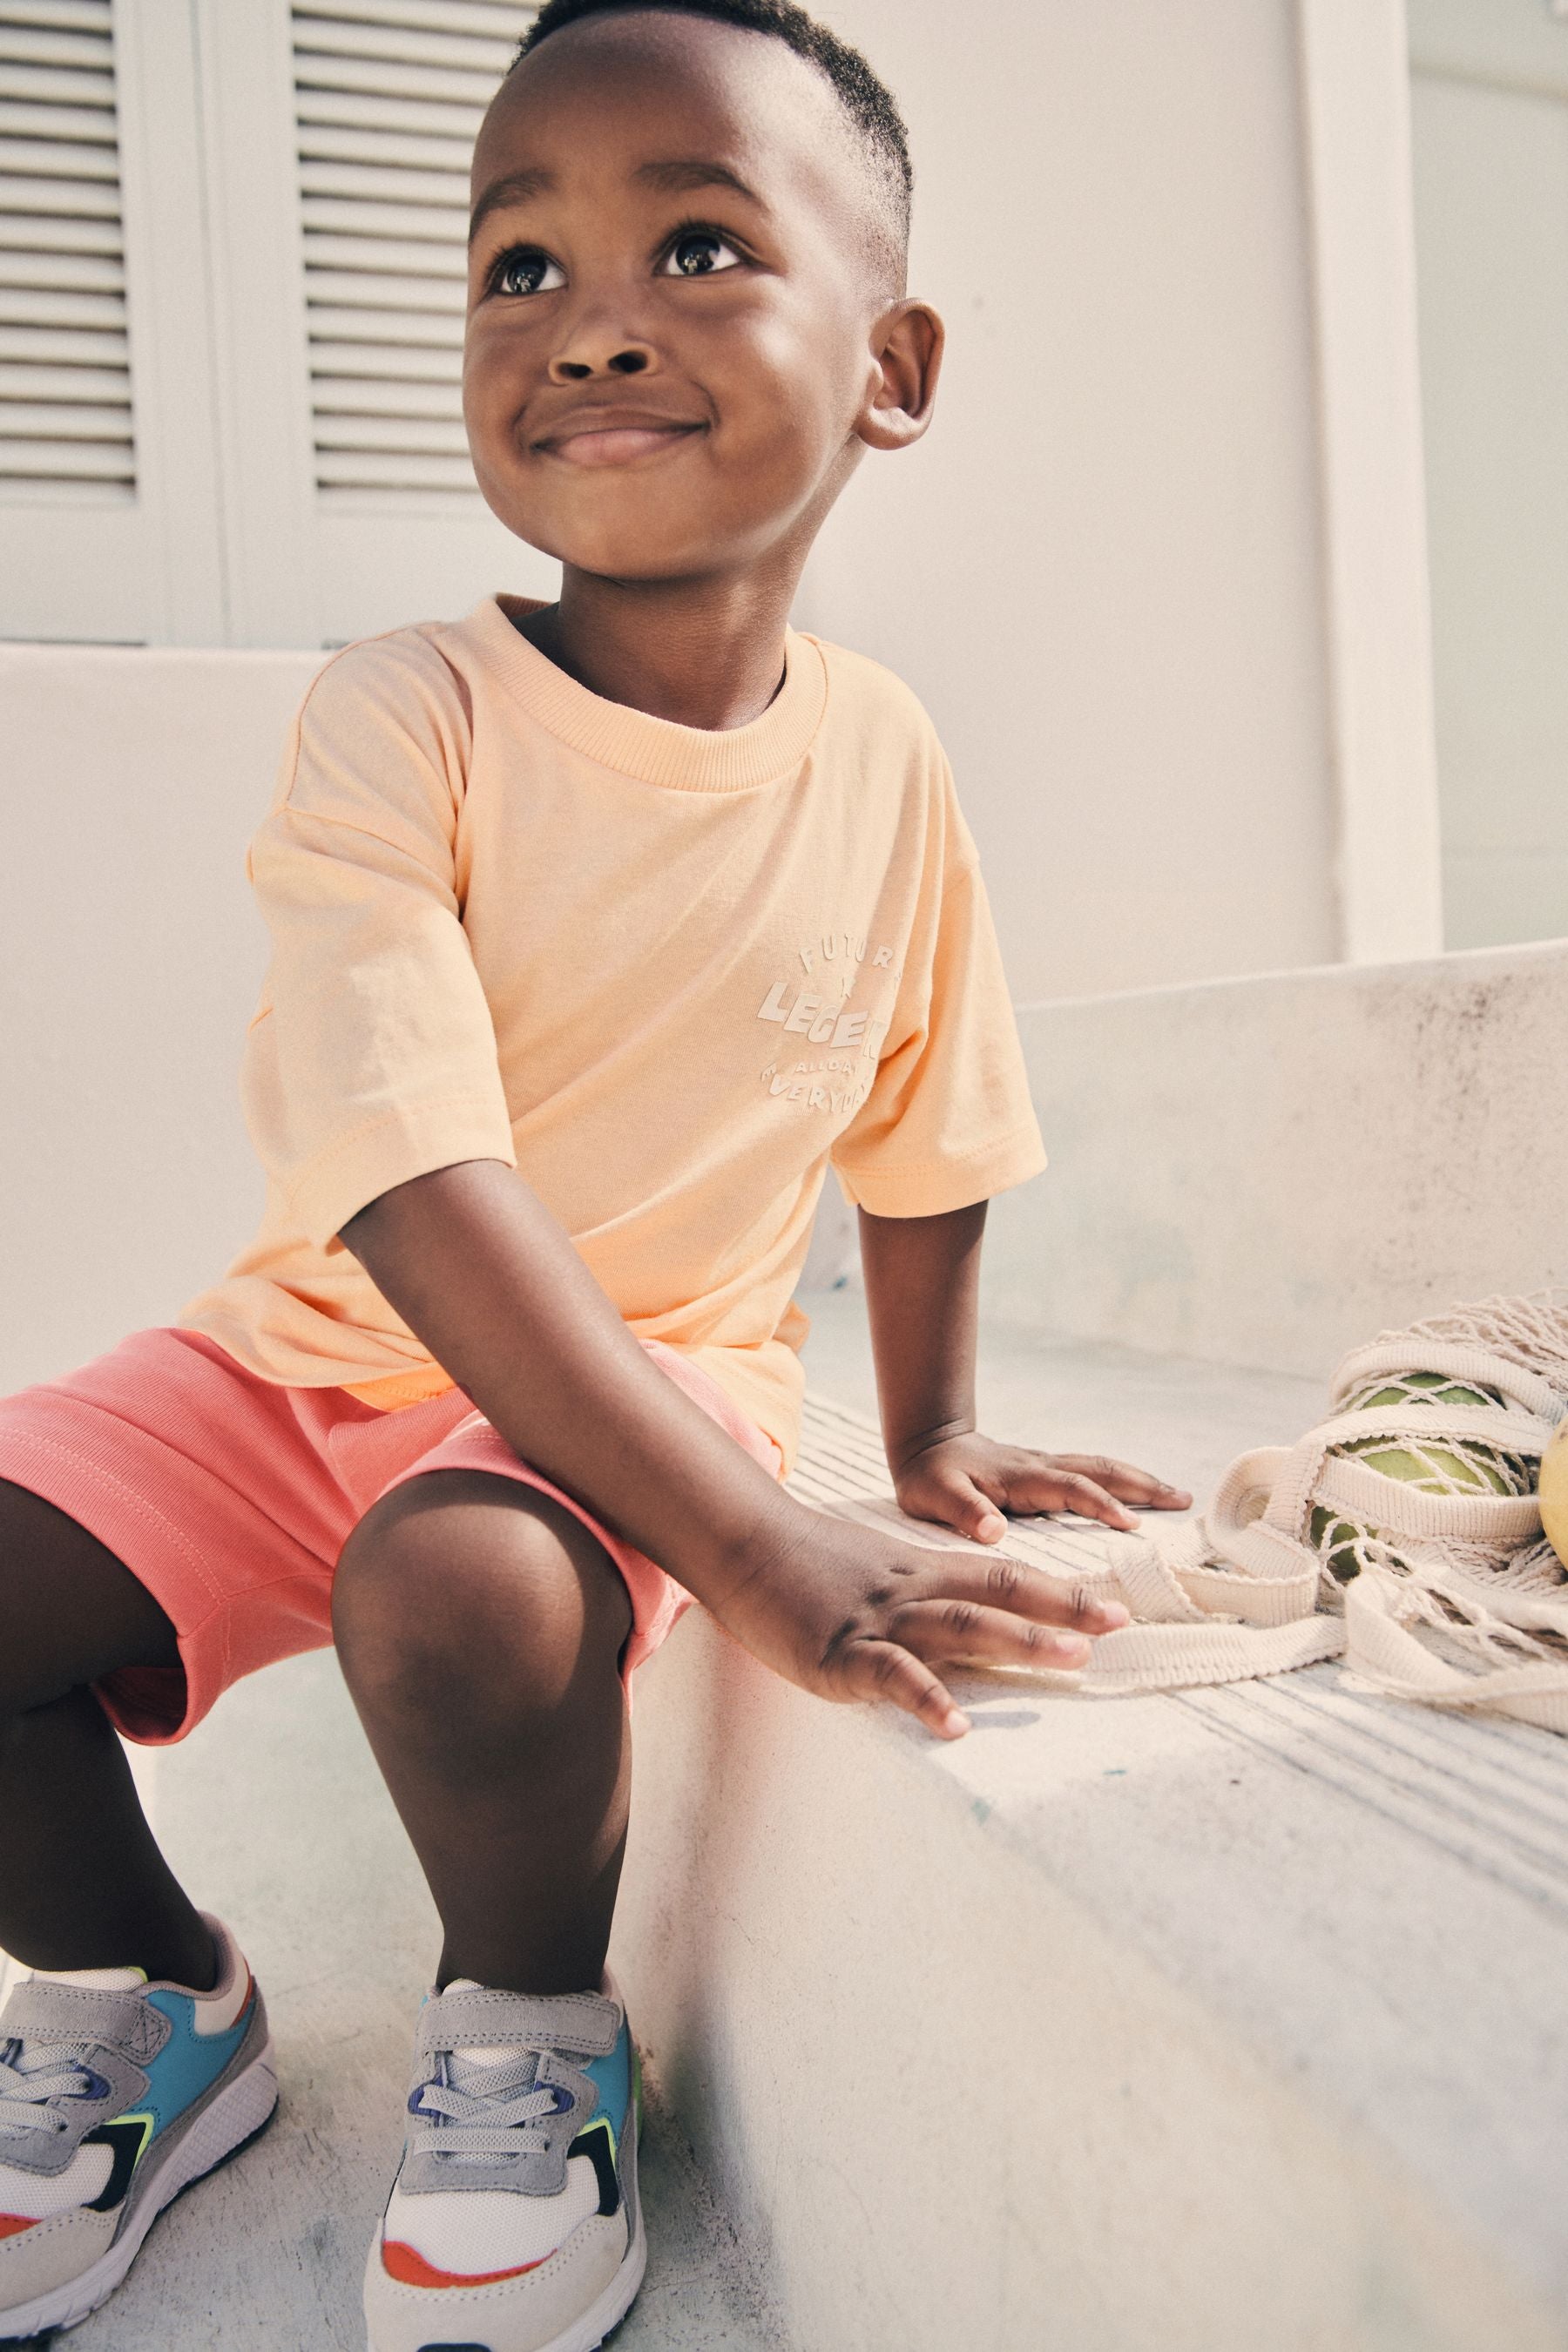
(528, 271)
(697, 253)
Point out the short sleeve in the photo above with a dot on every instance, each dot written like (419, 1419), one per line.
(949, 1120)
(372, 1058)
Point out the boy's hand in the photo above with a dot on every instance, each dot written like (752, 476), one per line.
(849, 1613)
(967, 1483)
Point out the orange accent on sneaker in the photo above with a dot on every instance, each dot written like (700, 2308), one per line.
(409, 2268)
(10, 2223)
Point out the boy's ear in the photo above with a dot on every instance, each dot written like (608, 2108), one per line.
(907, 344)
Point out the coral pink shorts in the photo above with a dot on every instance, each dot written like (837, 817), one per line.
(230, 1498)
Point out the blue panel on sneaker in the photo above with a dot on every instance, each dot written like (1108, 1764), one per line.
(612, 2078)
(189, 2063)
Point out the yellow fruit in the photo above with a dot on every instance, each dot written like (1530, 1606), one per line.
(1555, 1493)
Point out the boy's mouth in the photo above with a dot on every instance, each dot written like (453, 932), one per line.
(613, 436)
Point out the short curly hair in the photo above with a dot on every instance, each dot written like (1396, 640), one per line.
(866, 99)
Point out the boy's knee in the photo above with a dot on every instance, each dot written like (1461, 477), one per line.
(460, 1583)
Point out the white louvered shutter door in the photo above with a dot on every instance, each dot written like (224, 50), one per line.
(108, 521)
(388, 95)
(65, 365)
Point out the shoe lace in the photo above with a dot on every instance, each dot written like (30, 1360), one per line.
(31, 2078)
(478, 2109)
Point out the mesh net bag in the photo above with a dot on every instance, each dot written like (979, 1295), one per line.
(1402, 1533)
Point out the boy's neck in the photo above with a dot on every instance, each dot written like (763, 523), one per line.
(705, 654)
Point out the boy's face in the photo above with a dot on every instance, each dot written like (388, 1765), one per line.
(682, 328)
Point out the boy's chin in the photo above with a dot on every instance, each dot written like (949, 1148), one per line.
(645, 546)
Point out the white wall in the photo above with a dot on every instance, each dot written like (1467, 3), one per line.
(1490, 90)
(1269, 1170)
(131, 955)
(1101, 571)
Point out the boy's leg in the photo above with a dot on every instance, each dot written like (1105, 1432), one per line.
(84, 1885)
(480, 1628)
(140, 2058)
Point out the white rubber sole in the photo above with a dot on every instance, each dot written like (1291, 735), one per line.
(613, 2304)
(236, 2115)
(588, 2332)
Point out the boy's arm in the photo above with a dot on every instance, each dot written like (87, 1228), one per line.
(488, 1280)
(922, 1289)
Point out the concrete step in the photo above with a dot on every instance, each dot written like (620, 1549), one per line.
(1199, 2022)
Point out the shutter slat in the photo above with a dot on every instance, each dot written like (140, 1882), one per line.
(49, 420)
(376, 75)
(395, 328)
(367, 469)
(389, 95)
(58, 306)
(96, 273)
(334, 363)
(65, 420)
(370, 184)
(30, 45)
(52, 461)
(397, 150)
(406, 220)
(93, 199)
(63, 103)
(62, 158)
(60, 233)
(408, 47)
(402, 257)
(339, 396)
(63, 346)
(496, 20)
(66, 17)
(412, 436)
(380, 290)
(65, 386)
(424, 118)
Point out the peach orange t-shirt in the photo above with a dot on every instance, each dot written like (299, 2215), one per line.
(666, 973)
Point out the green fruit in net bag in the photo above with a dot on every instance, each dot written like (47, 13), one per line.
(1337, 1538)
(1440, 1465)
(1445, 1464)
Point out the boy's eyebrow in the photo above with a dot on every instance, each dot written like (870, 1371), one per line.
(687, 172)
(674, 177)
(515, 189)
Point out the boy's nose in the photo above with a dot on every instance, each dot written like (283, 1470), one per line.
(581, 361)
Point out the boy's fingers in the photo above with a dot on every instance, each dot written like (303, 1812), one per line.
(1059, 1488)
(882, 1670)
(1018, 1590)
(962, 1507)
(965, 1632)
(1122, 1478)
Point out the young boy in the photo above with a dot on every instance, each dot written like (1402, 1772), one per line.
(599, 927)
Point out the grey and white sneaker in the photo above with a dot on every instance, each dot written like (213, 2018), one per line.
(115, 2094)
(514, 2225)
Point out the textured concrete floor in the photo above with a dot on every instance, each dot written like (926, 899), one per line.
(275, 1816)
(1166, 1413)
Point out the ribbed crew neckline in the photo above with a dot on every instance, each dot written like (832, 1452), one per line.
(633, 742)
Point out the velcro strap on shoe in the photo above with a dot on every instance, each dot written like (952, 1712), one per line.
(580, 2022)
(110, 2021)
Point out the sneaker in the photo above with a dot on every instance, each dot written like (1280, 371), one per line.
(115, 2094)
(513, 2223)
